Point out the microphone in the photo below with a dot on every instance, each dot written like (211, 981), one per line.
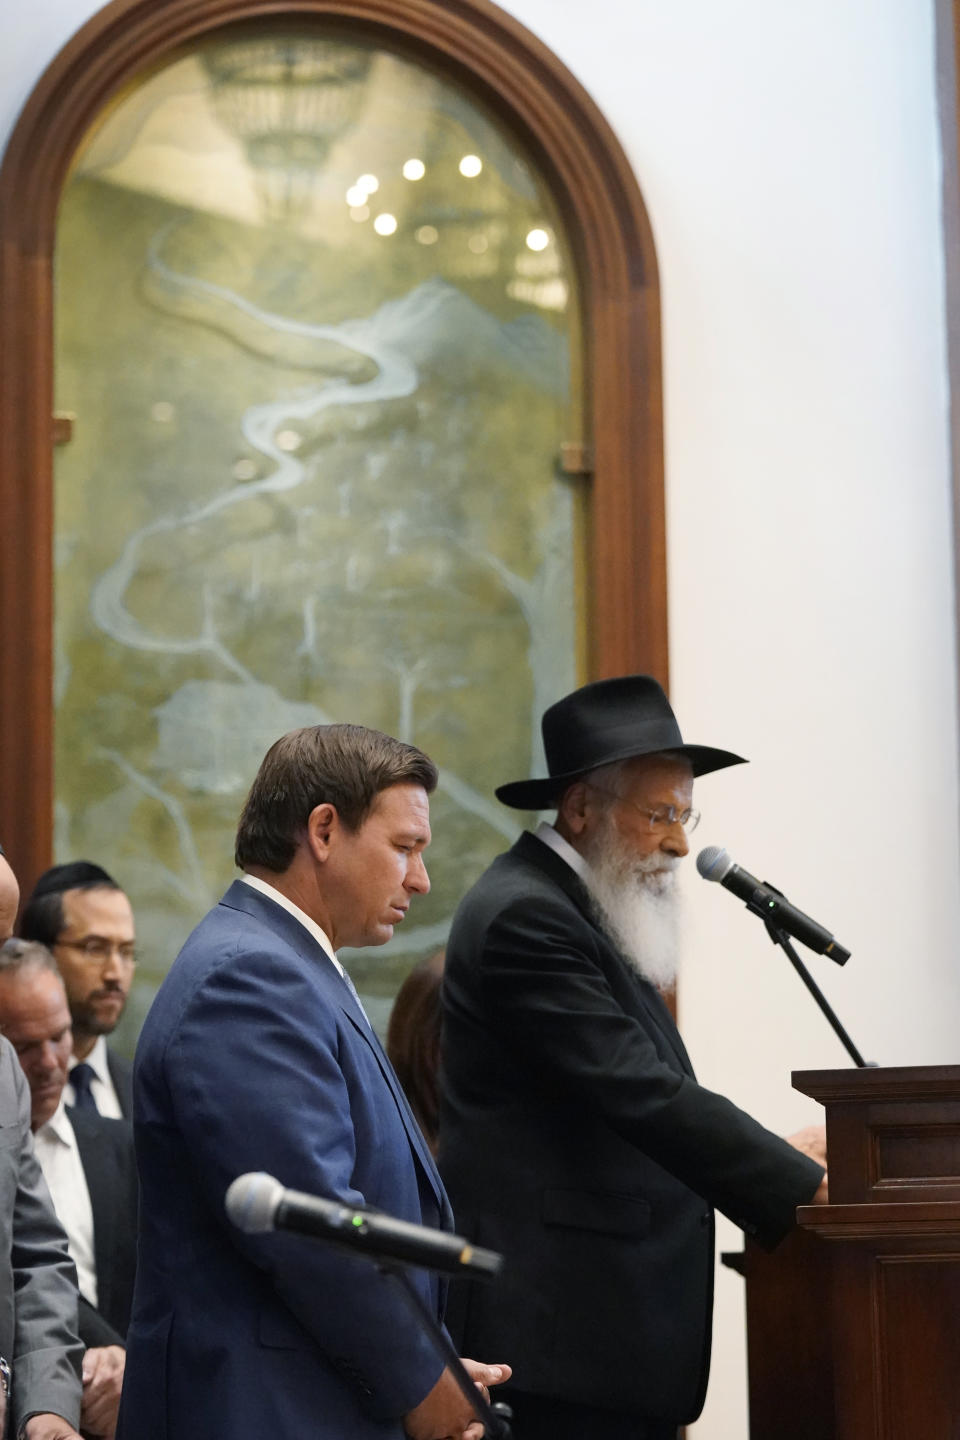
(257, 1203)
(767, 901)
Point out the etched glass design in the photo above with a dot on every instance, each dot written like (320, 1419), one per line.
(319, 330)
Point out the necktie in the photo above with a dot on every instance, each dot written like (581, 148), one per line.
(353, 991)
(80, 1077)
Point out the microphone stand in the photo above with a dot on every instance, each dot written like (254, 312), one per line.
(496, 1417)
(781, 938)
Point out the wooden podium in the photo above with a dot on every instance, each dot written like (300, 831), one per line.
(853, 1323)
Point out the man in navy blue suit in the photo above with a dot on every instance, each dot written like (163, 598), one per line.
(257, 1055)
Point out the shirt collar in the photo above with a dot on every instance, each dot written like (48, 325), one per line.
(97, 1060)
(563, 848)
(309, 925)
(58, 1127)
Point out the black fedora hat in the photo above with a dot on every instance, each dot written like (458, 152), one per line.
(601, 723)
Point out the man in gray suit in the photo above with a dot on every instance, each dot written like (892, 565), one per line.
(89, 1167)
(38, 1284)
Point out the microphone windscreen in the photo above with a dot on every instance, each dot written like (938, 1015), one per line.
(251, 1202)
(713, 862)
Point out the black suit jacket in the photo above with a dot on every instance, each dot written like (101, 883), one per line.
(121, 1073)
(107, 1156)
(575, 1139)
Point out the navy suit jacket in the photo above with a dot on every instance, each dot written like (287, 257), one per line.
(256, 1056)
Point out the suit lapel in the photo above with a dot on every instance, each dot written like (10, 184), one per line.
(651, 1005)
(414, 1133)
(657, 1006)
(99, 1167)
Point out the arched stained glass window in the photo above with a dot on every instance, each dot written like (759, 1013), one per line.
(317, 322)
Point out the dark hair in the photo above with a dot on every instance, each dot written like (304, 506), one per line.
(17, 955)
(413, 1042)
(43, 918)
(346, 766)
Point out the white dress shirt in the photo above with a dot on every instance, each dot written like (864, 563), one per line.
(59, 1156)
(563, 848)
(101, 1085)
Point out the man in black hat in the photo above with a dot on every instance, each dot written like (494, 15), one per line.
(573, 1134)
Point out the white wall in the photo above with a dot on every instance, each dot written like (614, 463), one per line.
(789, 159)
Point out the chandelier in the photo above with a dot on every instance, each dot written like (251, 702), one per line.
(287, 101)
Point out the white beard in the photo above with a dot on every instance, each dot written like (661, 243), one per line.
(637, 905)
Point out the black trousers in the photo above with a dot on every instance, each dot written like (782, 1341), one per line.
(535, 1418)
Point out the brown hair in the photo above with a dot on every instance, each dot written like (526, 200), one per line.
(346, 766)
(413, 1042)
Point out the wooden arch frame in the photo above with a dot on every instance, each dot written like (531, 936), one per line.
(613, 250)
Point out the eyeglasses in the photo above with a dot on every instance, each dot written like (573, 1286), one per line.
(663, 817)
(95, 949)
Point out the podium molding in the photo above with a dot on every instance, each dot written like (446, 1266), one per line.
(853, 1323)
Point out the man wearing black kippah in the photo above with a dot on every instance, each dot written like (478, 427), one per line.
(80, 913)
(573, 1134)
